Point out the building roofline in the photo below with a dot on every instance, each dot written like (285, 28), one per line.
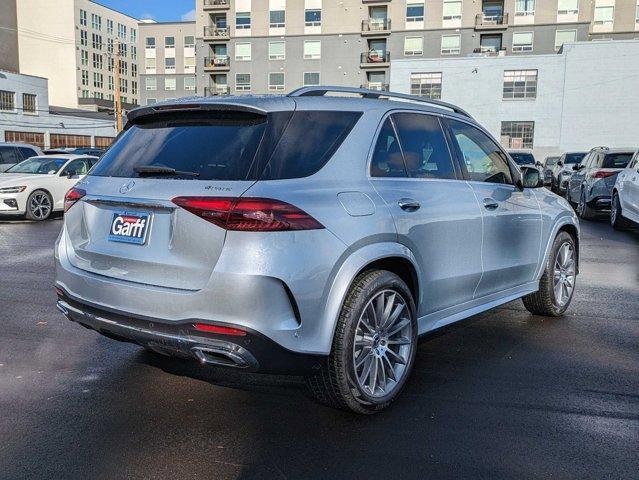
(176, 22)
(22, 74)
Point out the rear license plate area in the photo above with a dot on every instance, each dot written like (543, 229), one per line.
(129, 227)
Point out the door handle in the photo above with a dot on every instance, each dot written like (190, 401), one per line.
(408, 204)
(490, 204)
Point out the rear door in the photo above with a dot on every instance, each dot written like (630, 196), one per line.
(511, 217)
(435, 211)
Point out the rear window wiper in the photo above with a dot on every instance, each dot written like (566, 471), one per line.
(168, 171)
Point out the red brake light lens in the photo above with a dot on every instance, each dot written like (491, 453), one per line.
(249, 214)
(72, 197)
(204, 327)
(602, 174)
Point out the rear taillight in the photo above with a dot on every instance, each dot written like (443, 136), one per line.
(72, 197)
(249, 214)
(603, 174)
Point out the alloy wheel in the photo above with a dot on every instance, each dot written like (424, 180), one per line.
(383, 344)
(564, 274)
(40, 205)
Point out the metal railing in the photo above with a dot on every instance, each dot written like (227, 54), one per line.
(218, 32)
(382, 87)
(217, 61)
(375, 56)
(376, 25)
(487, 21)
(217, 3)
(216, 90)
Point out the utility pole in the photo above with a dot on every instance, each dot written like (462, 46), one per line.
(118, 100)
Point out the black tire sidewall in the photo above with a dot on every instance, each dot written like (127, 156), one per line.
(28, 213)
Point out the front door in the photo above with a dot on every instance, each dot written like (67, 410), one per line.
(512, 217)
(435, 211)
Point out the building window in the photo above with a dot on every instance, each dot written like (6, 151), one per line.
(85, 77)
(110, 27)
(109, 45)
(96, 41)
(520, 84)
(98, 80)
(170, 84)
(124, 86)
(134, 52)
(150, 64)
(134, 35)
(29, 103)
(151, 83)
(243, 20)
(451, 44)
(312, 49)
(312, 18)
(110, 82)
(563, 36)
(84, 38)
(311, 79)
(276, 81)
(277, 18)
(84, 55)
(169, 64)
(122, 47)
(413, 46)
(242, 51)
(134, 87)
(96, 22)
(150, 43)
(522, 41)
(97, 60)
(169, 42)
(604, 15)
(83, 17)
(189, 83)
(517, 134)
(189, 41)
(243, 82)
(414, 12)
(151, 101)
(452, 9)
(121, 31)
(189, 64)
(7, 101)
(427, 85)
(110, 64)
(32, 138)
(276, 50)
(568, 7)
(524, 8)
(124, 68)
(64, 140)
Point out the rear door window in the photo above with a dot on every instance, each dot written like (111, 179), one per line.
(616, 160)
(8, 155)
(27, 152)
(387, 158)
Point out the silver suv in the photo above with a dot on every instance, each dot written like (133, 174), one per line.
(308, 233)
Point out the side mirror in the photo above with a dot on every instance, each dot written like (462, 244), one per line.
(531, 178)
(560, 163)
(576, 167)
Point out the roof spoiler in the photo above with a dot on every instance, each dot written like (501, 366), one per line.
(143, 112)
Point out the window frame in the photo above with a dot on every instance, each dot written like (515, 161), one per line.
(415, 18)
(276, 57)
(523, 48)
(273, 87)
(243, 58)
(413, 53)
(532, 144)
(431, 85)
(520, 73)
(313, 23)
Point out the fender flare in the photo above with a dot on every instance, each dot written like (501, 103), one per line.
(563, 221)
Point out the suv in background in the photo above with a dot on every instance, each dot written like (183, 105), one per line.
(13, 153)
(625, 196)
(526, 158)
(562, 170)
(590, 186)
(548, 164)
(308, 233)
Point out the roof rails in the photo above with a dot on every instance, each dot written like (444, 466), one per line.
(367, 93)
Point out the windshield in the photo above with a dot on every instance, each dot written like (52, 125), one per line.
(39, 165)
(616, 160)
(550, 161)
(523, 158)
(574, 157)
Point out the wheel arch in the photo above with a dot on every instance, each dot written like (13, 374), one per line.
(568, 224)
(40, 189)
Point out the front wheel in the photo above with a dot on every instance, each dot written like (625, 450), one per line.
(557, 284)
(39, 206)
(373, 347)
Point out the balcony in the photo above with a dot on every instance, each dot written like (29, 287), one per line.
(382, 87)
(491, 22)
(488, 52)
(216, 5)
(217, 90)
(217, 63)
(212, 34)
(374, 59)
(376, 26)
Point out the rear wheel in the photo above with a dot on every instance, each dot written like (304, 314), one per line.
(583, 210)
(557, 284)
(373, 348)
(616, 219)
(39, 206)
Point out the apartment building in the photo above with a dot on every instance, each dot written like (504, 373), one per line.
(167, 61)
(583, 97)
(74, 43)
(263, 46)
(8, 36)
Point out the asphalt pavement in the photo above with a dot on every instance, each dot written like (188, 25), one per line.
(502, 395)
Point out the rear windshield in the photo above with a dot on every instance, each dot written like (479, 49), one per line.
(574, 157)
(616, 160)
(523, 158)
(229, 145)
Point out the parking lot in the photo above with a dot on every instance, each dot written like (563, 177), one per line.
(502, 395)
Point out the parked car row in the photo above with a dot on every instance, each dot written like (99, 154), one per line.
(603, 180)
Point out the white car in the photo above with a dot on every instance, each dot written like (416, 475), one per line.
(36, 187)
(625, 195)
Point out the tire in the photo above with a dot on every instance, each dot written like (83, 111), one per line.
(342, 382)
(583, 210)
(39, 206)
(567, 197)
(545, 301)
(617, 221)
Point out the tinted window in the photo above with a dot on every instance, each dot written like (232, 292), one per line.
(78, 167)
(484, 160)
(573, 157)
(309, 141)
(8, 155)
(217, 146)
(424, 147)
(616, 160)
(551, 161)
(40, 165)
(523, 158)
(27, 152)
(387, 157)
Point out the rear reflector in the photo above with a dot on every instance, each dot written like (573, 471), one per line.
(204, 327)
(249, 214)
(72, 197)
(603, 174)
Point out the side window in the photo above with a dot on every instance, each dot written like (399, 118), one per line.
(27, 152)
(387, 157)
(77, 167)
(8, 156)
(424, 146)
(483, 158)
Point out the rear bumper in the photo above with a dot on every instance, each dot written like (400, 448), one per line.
(252, 352)
(600, 203)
